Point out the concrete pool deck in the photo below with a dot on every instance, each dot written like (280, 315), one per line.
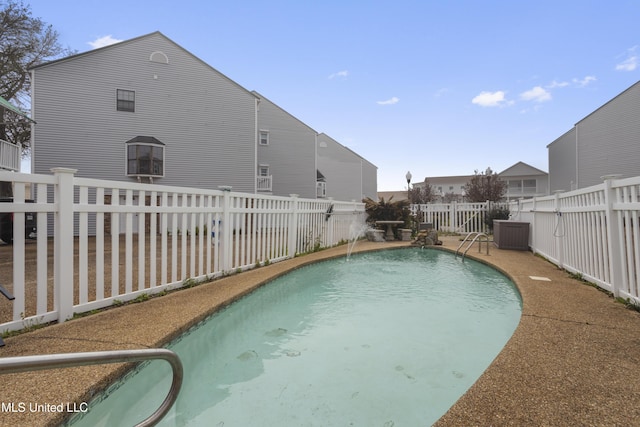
(572, 361)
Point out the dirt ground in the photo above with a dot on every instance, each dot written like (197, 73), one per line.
(6, 271)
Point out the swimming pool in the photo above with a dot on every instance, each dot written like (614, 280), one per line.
(389, 338)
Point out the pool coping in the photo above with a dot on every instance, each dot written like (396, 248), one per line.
(571, 361)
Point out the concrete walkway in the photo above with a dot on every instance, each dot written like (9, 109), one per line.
(573, 360)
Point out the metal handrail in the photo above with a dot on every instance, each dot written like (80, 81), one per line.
(11, 365)
(476, 236)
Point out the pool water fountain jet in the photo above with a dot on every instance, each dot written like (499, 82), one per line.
(356, 232)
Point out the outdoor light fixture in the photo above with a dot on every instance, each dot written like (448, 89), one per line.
(408, 176)
(488, 173)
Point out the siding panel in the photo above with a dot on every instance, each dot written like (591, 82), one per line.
(562, 162)
(609, 138)
(341, 168)
(206, 121)
(290, 153)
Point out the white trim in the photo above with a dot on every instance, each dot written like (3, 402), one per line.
(144, 175)
(266, 132)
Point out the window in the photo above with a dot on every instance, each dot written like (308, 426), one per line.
(524, 186)
(145, 157)
(321, 189)
(515, 185)
(125, 100)
(264, 178)
(321, 184)
(529, 185)
(264, 137)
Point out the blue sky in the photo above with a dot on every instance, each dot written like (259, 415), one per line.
(433, 87)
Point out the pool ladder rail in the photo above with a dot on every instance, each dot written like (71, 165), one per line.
(12, 365)
(476, 236)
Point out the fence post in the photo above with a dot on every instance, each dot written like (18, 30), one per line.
(225, 229)
(293, 227)
(329, 224)
(63, 243)
(559, 238)
(614, 242)
(18, 252)
(453, 218)
(534, 229)
(483, 226)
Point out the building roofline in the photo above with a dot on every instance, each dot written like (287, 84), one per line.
(260, 96)
(608, 102)
(347, 148)
(133, 40)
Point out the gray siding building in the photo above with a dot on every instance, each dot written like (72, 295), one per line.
(147, 110)
(144, 109)
(347, 175)
(606, 142)
(286, 153)
(562, 162)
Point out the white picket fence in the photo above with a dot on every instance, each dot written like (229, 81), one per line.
(163, 238)
(593, 232)
(454, 217)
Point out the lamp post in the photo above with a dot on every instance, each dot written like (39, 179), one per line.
(488, 173)
(408, 177)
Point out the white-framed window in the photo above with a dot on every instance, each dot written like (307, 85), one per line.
(264, 137)
(529, 185)
(321, 189)
(515, 185)
(321, 185)
(125, 100)
(145, 157)
(264, 182)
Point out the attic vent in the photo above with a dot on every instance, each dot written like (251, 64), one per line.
(159, 57)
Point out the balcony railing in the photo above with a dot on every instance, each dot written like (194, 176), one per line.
(264, 183)
(10, 155)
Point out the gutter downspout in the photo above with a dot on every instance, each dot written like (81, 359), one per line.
(315, 171)
(255, 146)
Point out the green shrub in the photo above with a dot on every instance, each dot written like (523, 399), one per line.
(496, 213)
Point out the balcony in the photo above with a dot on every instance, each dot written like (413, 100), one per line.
(10, 155)
(263, 183)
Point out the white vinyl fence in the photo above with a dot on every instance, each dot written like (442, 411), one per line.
(454, 217)
(104, 242)
(593, 232)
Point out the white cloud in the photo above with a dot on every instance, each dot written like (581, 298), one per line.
(537, 94)
(343, 74)
(103, 41)
(490, 99)
(554, 84)
(585, 81)
(631, 62)
(389, 101)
